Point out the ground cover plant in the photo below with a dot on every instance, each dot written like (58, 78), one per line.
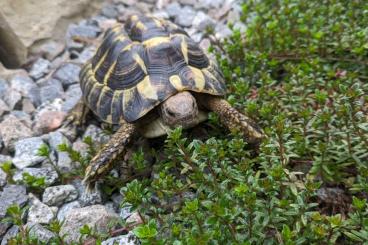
(300, 69)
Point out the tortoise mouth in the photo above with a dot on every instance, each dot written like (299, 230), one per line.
(158, 127)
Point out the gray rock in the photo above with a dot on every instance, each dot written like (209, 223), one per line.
(110, 11)
(86, 54)
(39, 68)
(27, 106)
(12, 194)
(58, 195)
(37, 230)
(173, 9)
(161, 14)
(3, 177)
(211, 4)
(51, 90)
(81, 147)
(50, 49)
(125, 212)
(80, 31)
(26, 87)
(66, 208)
(88, 198)
(128, 239)
(39, 212)
(222, 31)
(72, 96)
(5, 158)
(97, 135)
(185, 16)
(64, 162)
(26, 152)
(4, 226)
(97, 216)
(11, 233)
(3, 87)
(202, 21)
(13, 99)
(24, 117)
(68, 74)
(3, 107)
(12, 129)
(48, 173)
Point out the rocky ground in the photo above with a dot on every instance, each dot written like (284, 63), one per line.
(35, 101)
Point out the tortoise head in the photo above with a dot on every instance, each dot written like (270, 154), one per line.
(180, 110)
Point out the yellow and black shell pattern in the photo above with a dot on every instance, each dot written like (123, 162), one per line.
(142, 63)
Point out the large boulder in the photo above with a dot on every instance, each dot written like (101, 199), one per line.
(20, 20)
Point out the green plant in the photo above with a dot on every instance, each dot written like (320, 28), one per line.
(300, 69)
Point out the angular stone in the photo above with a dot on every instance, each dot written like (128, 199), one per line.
(86, 54)
(173, 9)
(128, 239)
(26, 87)
(24, 117)
(3, 177)
(48, 173)
(12, 129)
(12, 194)
(27, 106)
(66, 208)
(39, 212)
(58, 195)
(13, 99)
(185, 16)
(81, 31)
(97, 135)
(51, 90)
(68, 74)
(109, 11)
(39, 68)
(72, 97)
(64, 162)
(3, 87)
(97, 216)
(3, 107)
(202, 21)
(11, 233)
(42, 234)
(87, 198)
(26, 152)
(49, 49)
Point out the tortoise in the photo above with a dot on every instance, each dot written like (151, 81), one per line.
(148, 76)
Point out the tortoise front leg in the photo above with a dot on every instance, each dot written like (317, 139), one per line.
(103, 161)
(233, 119)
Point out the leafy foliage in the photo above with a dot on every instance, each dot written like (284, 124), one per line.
(300, 69)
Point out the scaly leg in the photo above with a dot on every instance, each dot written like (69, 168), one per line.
(103, 161)
(233, 119)
(75, 119)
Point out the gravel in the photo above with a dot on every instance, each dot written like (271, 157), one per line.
(26, 152)
(48, 173)
(68, 74)
(58, 195)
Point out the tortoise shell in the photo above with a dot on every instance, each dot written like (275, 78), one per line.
(142, 63)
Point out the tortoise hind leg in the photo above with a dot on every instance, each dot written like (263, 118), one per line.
(233, 119)
(103, 161)
(77, 116)
(75, 119)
